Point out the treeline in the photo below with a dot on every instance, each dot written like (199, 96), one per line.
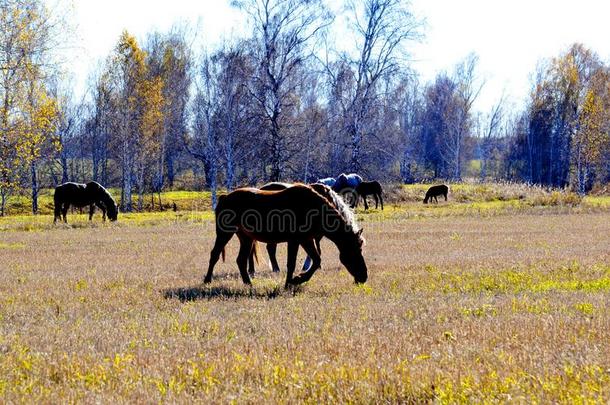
(284, 104)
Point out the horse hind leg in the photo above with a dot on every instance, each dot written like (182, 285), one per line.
(64, 212)
(222, 238)
(91, 211)
(381, 200)
(57, 212)
(272, 250)
(245, 251)
(251, 269)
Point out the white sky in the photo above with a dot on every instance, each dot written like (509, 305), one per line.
(510, 36)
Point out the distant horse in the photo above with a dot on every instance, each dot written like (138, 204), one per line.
(78, 195)
(327, 181)
(346, 181)
(369, 188)
(346, 185)
(436, 191)
(325, 192)
(297, 215)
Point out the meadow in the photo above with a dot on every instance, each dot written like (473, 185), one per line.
(501, 294)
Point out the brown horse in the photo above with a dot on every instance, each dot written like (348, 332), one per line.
(78, 195)
(436, 191)
(297, 215)
(369, 188)
(326, 192)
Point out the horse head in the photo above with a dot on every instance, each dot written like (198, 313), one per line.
(351, 256)
(112, 210)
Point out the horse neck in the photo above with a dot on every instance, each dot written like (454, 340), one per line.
(105, 198)
(339, 236)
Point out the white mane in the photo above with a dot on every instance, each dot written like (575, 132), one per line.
(344, 210)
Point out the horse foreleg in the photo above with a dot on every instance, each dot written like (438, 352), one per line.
(222, 238)
(310, 248)
(293, 249)
(101, 207)
(271, 250)
(91, 211)
(245, 251)
(308, 260)
(366, 204)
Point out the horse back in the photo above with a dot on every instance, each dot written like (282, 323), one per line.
(437, 190)
(72, 193)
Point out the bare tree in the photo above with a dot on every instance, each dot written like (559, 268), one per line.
(467, 90)
(490, 130)
(283, 30)
(382, 29)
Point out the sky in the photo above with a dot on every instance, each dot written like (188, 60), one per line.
(509, 36)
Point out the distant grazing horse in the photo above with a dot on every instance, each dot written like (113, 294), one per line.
(435, 191)
(326, 192)
(297, 215)
(369, 188)
(78, 195)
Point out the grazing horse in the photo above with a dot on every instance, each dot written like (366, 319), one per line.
(326, 192)
(296, 215)
(369, 188)
(78, 195)
(435, 191)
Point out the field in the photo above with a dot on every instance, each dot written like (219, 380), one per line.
(491, 297)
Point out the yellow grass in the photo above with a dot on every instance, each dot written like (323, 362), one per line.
(460, 306)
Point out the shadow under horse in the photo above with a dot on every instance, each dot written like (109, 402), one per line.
(79, 195)
(297, 215)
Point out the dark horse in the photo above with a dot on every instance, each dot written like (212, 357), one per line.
(326, 192)
(91, 194)
(369, 188)
(436, 191)
(297, 215)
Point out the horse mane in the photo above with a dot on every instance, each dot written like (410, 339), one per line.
(344, 210)
(107, 199)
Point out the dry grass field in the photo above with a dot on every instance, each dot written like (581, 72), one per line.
(464, 303)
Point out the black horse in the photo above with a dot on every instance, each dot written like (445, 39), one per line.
(369, 188)
(91, 194)
(436, 191)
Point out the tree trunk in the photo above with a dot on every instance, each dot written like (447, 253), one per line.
(64, 168)
(34, 188)
(276, 152)
(2, 203)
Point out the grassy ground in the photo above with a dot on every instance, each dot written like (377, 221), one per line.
(487, 299)
(500, 294)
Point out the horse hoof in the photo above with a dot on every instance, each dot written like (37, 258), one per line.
(207, 280)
